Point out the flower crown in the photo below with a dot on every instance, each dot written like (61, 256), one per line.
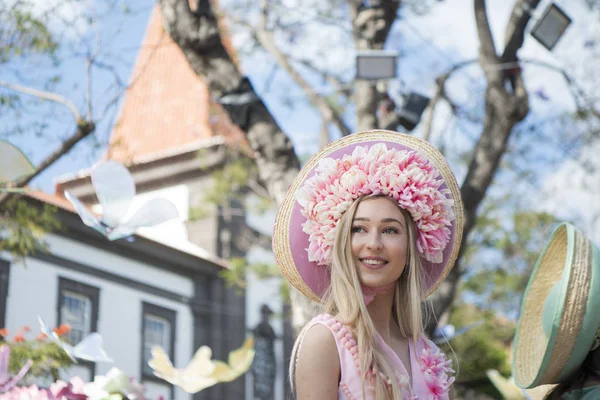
(403, 175)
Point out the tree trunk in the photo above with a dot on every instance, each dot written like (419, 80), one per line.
(197, 34)
(498, 125)
(506, 104)
(370, 29)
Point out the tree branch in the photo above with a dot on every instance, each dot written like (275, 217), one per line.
(89, 88)
(487, 49)
(83, 130)
(339, 86)
(46, 96)
(267, 41)
(515, 29)
(440, 93)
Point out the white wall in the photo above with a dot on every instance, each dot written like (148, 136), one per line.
(119, 265)
(33, 291)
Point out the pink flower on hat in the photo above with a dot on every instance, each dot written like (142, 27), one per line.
(403, 175)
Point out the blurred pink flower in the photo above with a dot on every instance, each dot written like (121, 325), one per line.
(27, 393)
(72, 390)
(6, 381)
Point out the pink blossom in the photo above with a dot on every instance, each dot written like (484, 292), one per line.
(438, 385)
(27, 393)
(433, 360)
(72, 390)
(405, 176)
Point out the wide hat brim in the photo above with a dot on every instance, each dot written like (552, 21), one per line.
(559, 315)
(290, 243)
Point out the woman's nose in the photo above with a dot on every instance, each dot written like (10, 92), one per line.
(374, 242)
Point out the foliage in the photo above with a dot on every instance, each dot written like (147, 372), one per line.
(484, 347)
(236, 275)
(229, 182)
(21, 32)
(48, 357)
(23, 226)
(502, 252)
(503, 249)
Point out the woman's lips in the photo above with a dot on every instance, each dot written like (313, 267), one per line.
(373, 262)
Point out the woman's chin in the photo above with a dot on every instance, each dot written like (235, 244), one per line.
(376, 283)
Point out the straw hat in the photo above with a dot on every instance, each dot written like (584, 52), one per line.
(559, 315)
(397, 165)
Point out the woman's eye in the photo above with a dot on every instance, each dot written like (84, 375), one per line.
(390, 230)
(356, 229)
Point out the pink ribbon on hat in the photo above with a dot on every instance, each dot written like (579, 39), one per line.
(369, 293)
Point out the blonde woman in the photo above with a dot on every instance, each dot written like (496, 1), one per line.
(369, 228)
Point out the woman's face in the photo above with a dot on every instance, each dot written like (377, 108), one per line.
(379, 242)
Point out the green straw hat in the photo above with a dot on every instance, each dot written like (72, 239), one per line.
(561, 310)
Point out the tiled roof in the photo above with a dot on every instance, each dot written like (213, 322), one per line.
(52, 199)
(167, 105)
(60, 182)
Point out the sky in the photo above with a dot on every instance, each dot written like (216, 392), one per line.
(428, 44)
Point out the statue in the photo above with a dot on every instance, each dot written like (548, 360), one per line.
(264, 365)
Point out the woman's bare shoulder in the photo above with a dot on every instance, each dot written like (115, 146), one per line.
(318, 338)
(318, 365)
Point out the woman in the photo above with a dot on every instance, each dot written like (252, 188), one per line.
(369, 228)
(557, 345)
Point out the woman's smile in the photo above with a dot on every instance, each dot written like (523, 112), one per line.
(374, 262)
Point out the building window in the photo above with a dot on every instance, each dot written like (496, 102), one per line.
(158, 329)
(76, 310)
(78, 306)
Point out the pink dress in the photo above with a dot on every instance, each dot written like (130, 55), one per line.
(431, 371)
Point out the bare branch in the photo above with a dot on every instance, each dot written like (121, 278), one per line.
(83, 130)
(440, 93)
(339, 86)
(88, 76)
(267, 41)
(431, 109)
(487, 49)
(515, 29)
(258, 189)
(44, 95)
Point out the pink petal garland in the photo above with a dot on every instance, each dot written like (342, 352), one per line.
(405, 176)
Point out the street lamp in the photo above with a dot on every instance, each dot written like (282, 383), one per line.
(551, 26)
(376, 64)
(411, 111)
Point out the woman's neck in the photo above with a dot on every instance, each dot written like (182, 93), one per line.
(380, 311)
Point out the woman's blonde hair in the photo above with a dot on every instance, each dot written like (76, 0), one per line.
(344, 299)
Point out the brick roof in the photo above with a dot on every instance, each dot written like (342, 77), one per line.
(167, 105)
